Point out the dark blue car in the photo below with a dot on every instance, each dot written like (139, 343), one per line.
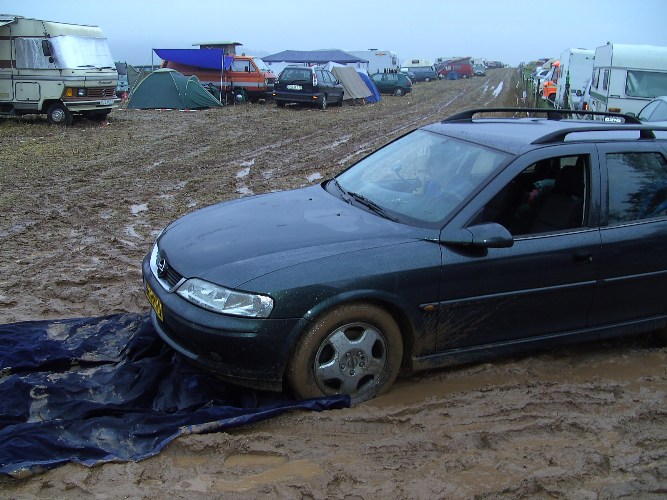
(464, 239)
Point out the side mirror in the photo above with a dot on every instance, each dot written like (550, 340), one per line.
(489, 235)
(46, 48)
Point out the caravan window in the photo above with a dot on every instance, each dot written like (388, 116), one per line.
(645, 84)
(605, 80)
(596, 78)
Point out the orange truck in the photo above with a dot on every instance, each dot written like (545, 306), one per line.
(550, 85)
(241, 77)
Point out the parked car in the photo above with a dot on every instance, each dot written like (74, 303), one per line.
(298, 84)
(421, 73)
(479, 70)
(392, 83)
(467, 238)
(409, 74)
(655, 111)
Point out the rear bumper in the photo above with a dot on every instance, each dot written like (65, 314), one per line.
(285, 96)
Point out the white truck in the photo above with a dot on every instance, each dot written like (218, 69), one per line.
(575, 69)
(379, 61)
(626, 77)
(54, 68)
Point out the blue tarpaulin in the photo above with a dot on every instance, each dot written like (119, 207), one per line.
(95, 390)
(198, 58)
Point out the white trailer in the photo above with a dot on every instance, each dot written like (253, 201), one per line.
(379, 61)
(54, 68)
(626, 77)
(575, 69)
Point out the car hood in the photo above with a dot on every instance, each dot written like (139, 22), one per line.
(233, 242)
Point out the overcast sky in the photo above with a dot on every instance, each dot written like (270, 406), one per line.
(511, 31)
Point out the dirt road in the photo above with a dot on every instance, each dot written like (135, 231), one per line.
(80, 208)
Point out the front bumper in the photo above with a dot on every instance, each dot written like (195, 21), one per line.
(245, 351)
(76, 106)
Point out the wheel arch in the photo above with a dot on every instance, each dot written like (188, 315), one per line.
(386, 301)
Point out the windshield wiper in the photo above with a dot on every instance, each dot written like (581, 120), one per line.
(359, 198)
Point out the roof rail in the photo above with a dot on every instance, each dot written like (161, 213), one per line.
(552, 114)
(645, 132)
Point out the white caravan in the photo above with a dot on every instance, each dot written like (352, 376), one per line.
(626, 77)
(575, 70)
(56, 69)
(379, 61)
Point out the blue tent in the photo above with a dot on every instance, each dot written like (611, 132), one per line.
(375, 97)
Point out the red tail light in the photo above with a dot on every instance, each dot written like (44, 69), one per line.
(314, 79)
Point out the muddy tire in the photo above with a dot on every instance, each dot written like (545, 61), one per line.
(353, 349)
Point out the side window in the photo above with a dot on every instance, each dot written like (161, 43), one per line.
(637, 186)
(605, 80)
(549, 195)
(238, 65)
(596, 78)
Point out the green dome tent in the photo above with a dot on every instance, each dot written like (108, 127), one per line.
(167, 88)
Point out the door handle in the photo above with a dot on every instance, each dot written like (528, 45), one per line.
(582, 258)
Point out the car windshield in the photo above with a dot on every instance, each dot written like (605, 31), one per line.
(261, 65)
(421, 177)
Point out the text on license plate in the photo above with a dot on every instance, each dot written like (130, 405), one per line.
(106, 102)
(295, 87)
(155, 302)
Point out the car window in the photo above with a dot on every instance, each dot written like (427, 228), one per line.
(660, 113)
(295, 75)
(324, 77)
(549, 195)
(645, 114)
(637, 186)
(240, 65)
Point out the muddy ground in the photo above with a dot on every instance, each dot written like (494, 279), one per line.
(81, 205)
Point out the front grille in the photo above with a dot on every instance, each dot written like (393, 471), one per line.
(171, 276)
(102, 93)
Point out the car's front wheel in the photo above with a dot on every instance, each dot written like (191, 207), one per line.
(58, 114)
(353, 349)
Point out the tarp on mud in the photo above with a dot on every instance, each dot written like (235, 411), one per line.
(169, 89)
(355, 88)
(95, 390)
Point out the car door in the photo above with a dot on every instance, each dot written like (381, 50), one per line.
(543, 284)
(336, 88)
(381, 82)
(633, 264)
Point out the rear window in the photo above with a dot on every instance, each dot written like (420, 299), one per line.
(295, 75)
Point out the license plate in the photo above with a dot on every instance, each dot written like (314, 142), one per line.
(295, 87)
(106, 102)
(156, 304)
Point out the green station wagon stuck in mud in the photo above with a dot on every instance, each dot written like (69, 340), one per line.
(468, 238)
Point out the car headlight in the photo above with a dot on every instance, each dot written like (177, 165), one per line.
(223, 300)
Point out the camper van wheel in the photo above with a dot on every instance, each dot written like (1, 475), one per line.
(399, 92)
(58, 114)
